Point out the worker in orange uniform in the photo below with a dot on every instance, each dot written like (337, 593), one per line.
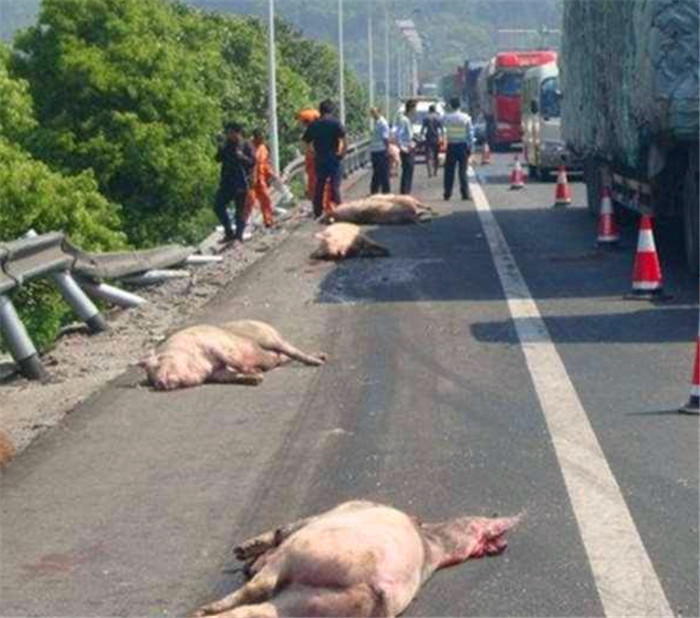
(262, 175)
(307, 117)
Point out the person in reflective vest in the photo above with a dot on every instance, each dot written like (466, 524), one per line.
(460, 141)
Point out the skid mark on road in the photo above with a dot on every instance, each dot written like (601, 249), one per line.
(624, 575)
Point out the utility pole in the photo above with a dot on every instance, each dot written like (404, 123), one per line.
(341, 69)
(370, 47)
(272, 86)
(387, 63)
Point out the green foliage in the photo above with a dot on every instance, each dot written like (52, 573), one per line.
(34, 196)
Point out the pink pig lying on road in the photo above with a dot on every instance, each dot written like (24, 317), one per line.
(358, 559)
(382, 209)
(235, 353)
(343, 240)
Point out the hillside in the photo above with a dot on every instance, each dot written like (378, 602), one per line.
(453, 30)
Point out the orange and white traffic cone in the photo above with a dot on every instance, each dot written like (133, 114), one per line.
(608, 233)
(486, 154)
(647, 280)
(562, 194)
(517, 180)
(693, 405)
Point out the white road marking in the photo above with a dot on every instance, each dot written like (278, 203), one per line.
(623, 573)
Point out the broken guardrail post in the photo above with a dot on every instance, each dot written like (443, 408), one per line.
(18, 342)
(79, 301)
(112, 294)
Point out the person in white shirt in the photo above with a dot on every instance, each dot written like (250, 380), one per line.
(379, 150)
(460, 141)
(406, 144)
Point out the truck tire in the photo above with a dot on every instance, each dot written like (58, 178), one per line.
(591, 176)
(690, 219)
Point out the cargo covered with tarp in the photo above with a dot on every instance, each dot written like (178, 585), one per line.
(629, 75)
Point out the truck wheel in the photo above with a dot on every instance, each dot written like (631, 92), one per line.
(690, 219)
(591, 176)
(533, 172)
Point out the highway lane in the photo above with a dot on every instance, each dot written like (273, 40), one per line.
(132, 505)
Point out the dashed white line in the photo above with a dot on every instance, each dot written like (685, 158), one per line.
(622, 570)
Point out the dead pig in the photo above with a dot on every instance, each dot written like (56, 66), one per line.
(382, 209)
(358, 559)
(343, 240)
(236, 353)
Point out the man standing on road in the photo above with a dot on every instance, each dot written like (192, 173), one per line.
(404, 139)
(431, 132)
(237, 160)
(460, 140)
(380, 154)
(327, 134)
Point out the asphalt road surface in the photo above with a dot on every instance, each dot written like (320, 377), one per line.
(488, 366)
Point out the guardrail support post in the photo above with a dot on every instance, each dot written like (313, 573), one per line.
(18, 342)
(79, 301)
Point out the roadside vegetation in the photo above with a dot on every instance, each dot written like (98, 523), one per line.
(109, 114)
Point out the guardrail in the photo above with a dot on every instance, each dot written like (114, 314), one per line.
(77, 273)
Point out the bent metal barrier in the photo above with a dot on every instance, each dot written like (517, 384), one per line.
(53, 256)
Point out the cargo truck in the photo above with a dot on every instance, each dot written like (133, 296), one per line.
(629, 73)
(499, 85)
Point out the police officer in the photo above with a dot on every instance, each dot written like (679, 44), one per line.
(460, 141)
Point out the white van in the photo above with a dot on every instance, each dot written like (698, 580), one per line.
(544, 150)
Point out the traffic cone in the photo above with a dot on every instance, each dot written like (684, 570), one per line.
(693, 405)
(562, 194)
(486, 154)
(608, 233)
(647, 278)
(517, 180)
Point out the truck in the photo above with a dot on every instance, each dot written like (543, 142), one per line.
(499, 86)
(544, 151)
(629, 73)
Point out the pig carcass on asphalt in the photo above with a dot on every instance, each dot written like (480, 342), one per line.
(382, 209)
(236, 353)
(358, 559)
(343, 240)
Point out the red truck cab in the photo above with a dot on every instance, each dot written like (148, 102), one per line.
(500, 93)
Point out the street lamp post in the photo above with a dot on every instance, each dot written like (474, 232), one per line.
(272, 86)
(341, 60)
(370, 47)
(387, 64)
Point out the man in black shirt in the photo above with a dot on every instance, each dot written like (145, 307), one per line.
(237, 162)
(327, 135)
(431, 132)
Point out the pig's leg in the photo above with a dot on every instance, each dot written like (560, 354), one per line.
(226, 375)
(288, 349)
(257, 590)
(258, 545)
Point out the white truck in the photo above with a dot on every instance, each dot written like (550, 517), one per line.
(544, 150)
(629, 73)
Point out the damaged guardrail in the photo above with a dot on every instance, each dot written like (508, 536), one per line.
(79, 274)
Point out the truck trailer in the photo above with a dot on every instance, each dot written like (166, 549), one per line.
(629, 73)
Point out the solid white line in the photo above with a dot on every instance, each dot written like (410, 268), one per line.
(623, 573)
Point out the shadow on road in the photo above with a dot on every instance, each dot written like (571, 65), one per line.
(643, 326)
